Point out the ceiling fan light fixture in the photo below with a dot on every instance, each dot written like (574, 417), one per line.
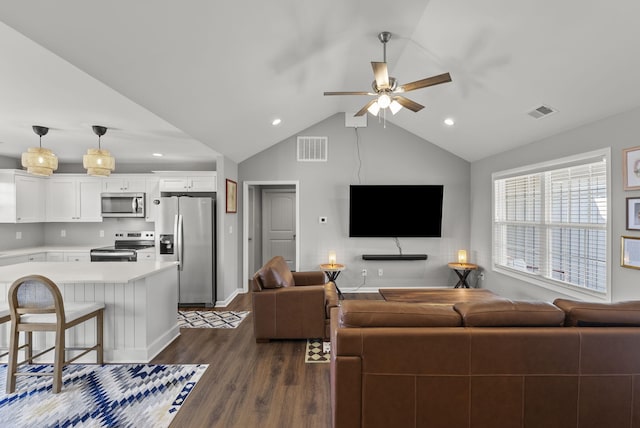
(98, 162)
(374, 108)
(38, 160)
(395, 107)
(384, 100)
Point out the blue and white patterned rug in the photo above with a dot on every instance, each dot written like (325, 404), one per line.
(211, 319)
(112, 395)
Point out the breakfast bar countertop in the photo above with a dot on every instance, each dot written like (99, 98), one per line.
(85, 272)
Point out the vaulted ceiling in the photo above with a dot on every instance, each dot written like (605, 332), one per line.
(195, 78)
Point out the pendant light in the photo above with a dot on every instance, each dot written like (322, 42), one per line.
(37, 160)
(97, 161)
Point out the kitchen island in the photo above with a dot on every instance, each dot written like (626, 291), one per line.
(140, 300)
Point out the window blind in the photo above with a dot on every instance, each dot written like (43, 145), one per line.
(553, 224)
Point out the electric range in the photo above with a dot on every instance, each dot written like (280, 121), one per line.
(125, 247)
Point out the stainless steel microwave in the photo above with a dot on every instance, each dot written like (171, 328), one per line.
(123, 205)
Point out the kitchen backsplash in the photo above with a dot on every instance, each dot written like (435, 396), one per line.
(38, 234)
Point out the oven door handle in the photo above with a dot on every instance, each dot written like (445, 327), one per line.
(115, 254)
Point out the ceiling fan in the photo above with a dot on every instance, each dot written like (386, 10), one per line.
(386, 88)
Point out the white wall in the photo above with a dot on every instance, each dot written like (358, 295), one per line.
(618, 132)
(388, 155)
(228, 240)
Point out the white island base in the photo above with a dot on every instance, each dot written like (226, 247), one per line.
(141, 301)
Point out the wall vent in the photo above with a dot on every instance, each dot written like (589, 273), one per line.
(541, 111)
(312, 149)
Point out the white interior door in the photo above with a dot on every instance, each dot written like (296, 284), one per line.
(279, 225)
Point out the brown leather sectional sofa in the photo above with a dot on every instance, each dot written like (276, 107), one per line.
(491, 364)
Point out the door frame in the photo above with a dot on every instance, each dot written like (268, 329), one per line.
(246, 275)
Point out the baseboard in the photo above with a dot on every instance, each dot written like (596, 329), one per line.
(228, 300)
(359, 290)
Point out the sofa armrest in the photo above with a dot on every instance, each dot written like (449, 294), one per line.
(330, 298)
(308, 278)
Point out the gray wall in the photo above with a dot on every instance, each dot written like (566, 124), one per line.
(388, 155)
(618, 132)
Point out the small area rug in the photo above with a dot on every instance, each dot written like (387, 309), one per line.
(315, 352)
(112, 395)
(211, 319)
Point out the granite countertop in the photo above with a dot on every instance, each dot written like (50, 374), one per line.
(84, 272)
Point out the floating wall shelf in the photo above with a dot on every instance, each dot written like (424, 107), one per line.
(394, 257)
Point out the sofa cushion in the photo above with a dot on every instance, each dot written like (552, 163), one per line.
(594, 314)
(372, 313)
(508, 313)
(275, 274)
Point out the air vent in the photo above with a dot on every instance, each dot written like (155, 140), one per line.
(312, 149)
(541, 111)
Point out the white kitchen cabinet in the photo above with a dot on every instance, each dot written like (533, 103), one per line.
(77, 256)
(124, 183)
(204, 182)
(5, 261)
(55, 256)
(37, 257)
(73, 199)
(146, 255)
(152, 193)
(22, 196)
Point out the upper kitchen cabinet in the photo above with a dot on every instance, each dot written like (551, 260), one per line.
(73, 198)
(23, 197)
(152, 193)
(202, 181)
(117, 183)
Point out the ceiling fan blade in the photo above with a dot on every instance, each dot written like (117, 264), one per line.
(429, 81)
(381, 74)
(407, 103)
(349, 93)
(363, 110)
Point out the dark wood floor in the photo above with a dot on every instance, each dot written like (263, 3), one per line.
(250, 384)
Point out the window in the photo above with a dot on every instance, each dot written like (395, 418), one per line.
(550, 224)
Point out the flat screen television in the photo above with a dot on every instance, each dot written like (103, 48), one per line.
(395, 211)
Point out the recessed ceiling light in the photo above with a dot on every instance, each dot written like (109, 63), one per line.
(158, 155)
(276, 122)
(449, 121)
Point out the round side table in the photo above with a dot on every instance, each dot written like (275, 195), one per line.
(462, 270)
(333, 271)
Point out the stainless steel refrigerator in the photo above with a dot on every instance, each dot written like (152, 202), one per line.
(185, 231)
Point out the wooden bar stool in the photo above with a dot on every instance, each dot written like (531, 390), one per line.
(35, 304)
(4, 317)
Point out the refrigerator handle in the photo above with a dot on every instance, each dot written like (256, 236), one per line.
(180, 240)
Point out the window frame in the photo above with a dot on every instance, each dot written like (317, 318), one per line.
(544, 282)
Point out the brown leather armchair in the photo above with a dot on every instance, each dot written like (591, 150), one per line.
(291, 305)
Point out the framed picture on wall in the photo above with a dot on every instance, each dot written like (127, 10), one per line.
(633, 213)
(232, 196)
(631, 168)
(630, 252)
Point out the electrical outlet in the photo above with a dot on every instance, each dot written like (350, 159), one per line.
(63, 233)
(380, 272)
(102, 233)
(18, 235)
(364, 272)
